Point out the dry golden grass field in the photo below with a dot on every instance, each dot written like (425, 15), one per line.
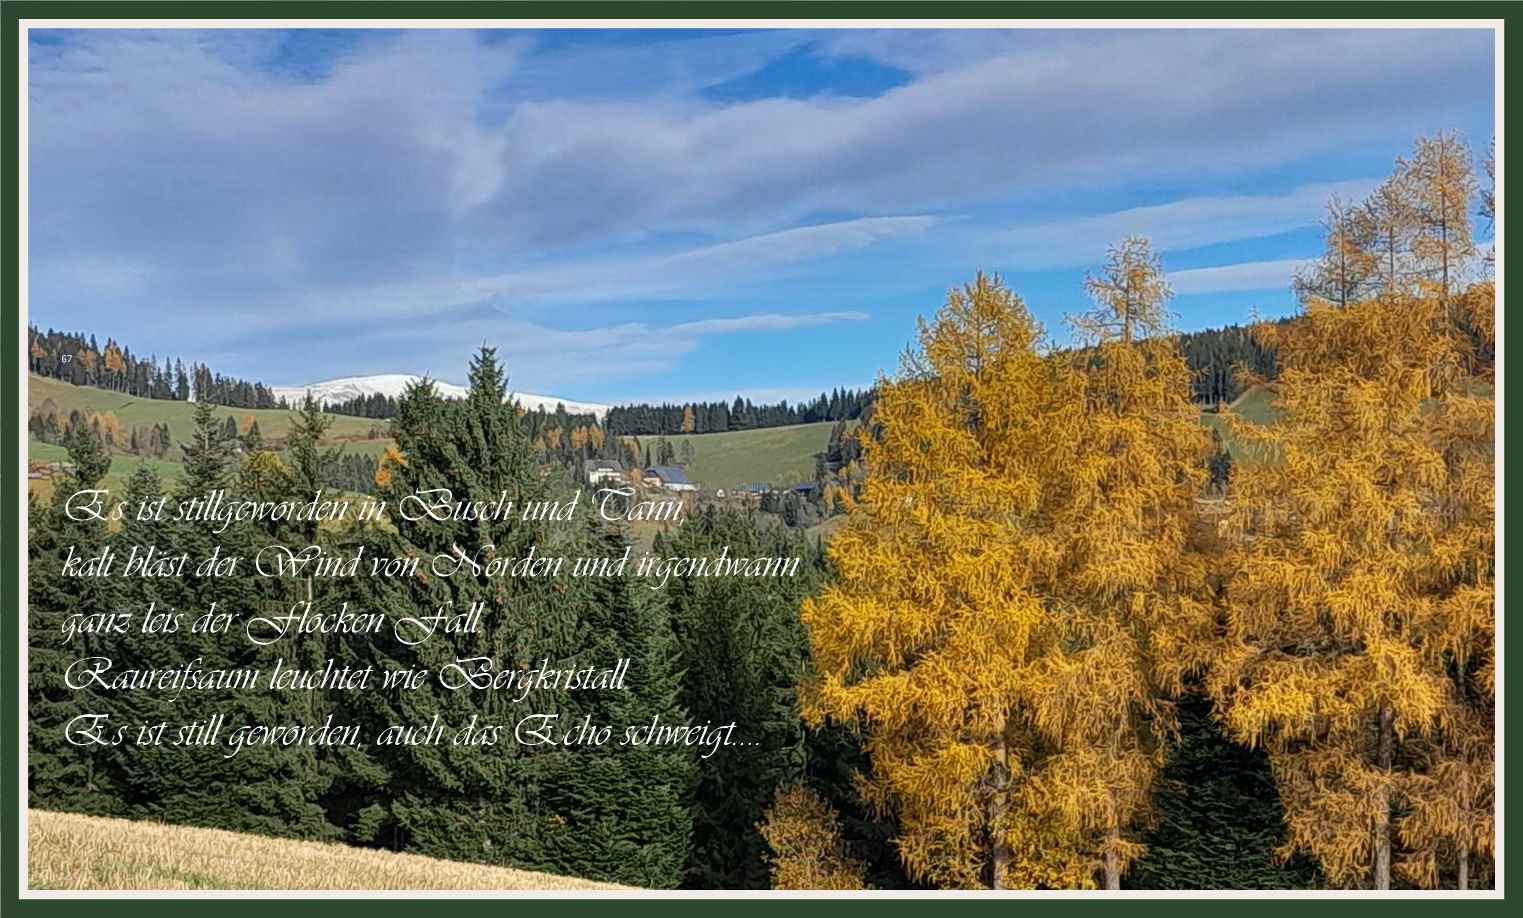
(70, 851)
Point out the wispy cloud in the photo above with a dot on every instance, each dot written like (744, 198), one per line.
(401, 175)
(1251, 275)
(768, 322)
(1184, 224)
(547, 356)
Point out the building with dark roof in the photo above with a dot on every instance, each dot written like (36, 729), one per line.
(669, 477)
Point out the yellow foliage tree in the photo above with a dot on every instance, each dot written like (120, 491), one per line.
(88, 359)
(688, 422)
(1125, 454)
(1451, 804)
(110, 428)
(112, 359)
(1360, 629)
(383, 470)
(808, 852)
(263, 472)
(927, 633)
(1439, 183)
(1131, 294)
(1349, 262)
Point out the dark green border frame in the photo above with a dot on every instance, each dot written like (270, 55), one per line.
(10, 423)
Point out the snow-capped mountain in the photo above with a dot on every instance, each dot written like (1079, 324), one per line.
(393, 384)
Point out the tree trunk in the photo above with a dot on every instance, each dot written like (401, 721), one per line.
(1383, 818)
(999, 805)
(1113, 856)
(1464, 880)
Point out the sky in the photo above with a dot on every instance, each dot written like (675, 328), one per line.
(631, 215)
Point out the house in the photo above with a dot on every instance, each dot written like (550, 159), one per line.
(669, 477)
(757, 488)
(598, 471)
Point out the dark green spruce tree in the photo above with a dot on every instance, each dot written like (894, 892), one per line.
(742, 649)
(448, 779)
(472, 790)
(1219, 817)
(626, 805)
(62, 775)
(272, 790)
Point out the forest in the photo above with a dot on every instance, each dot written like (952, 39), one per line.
(1213, 355)
(1043, 650)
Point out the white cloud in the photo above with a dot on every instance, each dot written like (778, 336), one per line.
(806, 242)
(703, 273)
(1184, 224)
(1251, 275)
(420, 172)
(767, 322)
(542, 358)
(407, 161)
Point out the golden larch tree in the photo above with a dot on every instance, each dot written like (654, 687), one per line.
(1349, 262)
(927, 633)
(1440, 186)
(1359, 626)
(113, 361)
(1131, 294)
(89, 360)
(1126, 451)
(1387, 215)
(1449, 822)
(808, 852)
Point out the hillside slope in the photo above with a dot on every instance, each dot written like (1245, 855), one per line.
(143, 412)
(776, 455)
(71, 851)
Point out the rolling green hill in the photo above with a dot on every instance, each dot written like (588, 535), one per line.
(776, 455)
(1255, 405)
(143, 412)
(352, 433)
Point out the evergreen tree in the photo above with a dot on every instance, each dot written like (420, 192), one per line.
(84, 776)
(603, 812)
(465, 801)
(1219, 821)
(277, 789)
(742, 649)
(627, 807)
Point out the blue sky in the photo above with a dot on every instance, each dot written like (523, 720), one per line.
(681, 214)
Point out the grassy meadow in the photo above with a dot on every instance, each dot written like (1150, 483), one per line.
(71, 851)
(776, 455)
(353, 434)
(1256, 406)
(132, 411)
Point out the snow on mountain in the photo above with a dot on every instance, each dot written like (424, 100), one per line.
(393, 384)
